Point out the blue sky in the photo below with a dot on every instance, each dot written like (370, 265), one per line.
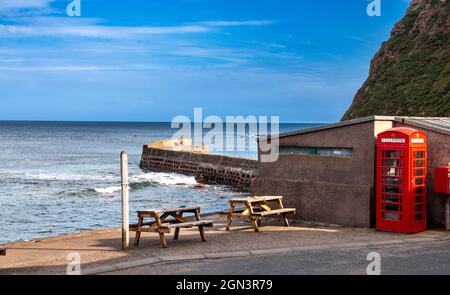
(151, 60)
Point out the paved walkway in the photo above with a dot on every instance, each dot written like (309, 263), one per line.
(419, 258)
(100, 250)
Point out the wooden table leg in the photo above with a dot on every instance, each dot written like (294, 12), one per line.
(137, 237)
(285, 219)
(202, 233)
(200, 227)
(177, 230)
(162, 239)
(255, 224)
(230, 216)
(253, 219)
(197, 214)
(283, 216)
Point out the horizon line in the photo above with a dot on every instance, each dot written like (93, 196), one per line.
(107, 121)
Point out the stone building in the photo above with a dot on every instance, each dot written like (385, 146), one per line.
(328, 172)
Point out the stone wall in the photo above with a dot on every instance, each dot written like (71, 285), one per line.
(207, 168)
(323, 202)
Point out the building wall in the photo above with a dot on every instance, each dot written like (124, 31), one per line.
(341, 190)
(330, 189)
(438, 155)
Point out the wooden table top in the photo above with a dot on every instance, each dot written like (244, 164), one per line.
(168, 210)
(256, 199)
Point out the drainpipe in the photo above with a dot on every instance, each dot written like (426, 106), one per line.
(447, 214)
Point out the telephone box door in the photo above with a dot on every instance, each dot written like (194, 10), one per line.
(418, 188)
(392, 186)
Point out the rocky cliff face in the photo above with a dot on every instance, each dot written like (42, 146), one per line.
(410, 74)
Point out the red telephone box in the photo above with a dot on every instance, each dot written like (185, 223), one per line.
(401, 180)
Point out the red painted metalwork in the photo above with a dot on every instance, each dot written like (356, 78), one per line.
(442, 179)
(401, 180)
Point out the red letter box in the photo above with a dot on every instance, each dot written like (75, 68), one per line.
(401, 180)
(442, 180)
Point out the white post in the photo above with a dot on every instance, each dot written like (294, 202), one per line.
(124, 181)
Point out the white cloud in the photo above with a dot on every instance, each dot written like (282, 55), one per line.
(23, 4)
(76, 67)
(66, 68)
(356, 38)
(97, 42)
(47, 26)
(225, 23)
(95, 31)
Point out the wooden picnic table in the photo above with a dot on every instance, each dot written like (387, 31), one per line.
(161, 222)
(257, 207)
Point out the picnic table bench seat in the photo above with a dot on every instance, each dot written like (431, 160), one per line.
(275, 212)
(207, 223)
(165, 227)
(143, 228)
(2, 251)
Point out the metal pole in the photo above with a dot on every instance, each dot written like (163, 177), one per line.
(124, 181)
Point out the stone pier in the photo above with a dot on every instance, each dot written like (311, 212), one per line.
(207, 168)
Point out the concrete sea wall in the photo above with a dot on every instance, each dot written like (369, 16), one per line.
(207, 168)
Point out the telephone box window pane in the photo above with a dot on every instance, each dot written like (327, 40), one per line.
(419, 216)
(418, 172)
(392, 163)
(392, 171)
(392, 181)
(419, 199)
(419, 190)
(391, 216)
(392, 154)
(393, 198)
(419, 163)
(392, 207)
(418, 180)
(419, 207)
(393, 189)
(419, 154)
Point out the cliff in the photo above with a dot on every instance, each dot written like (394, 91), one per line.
(410, 74)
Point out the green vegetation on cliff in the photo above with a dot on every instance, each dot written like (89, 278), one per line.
(410, 74)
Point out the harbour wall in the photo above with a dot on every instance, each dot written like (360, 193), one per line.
(207, 168)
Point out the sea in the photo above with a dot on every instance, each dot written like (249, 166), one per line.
(64, 177)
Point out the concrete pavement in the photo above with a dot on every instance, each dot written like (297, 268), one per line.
(418, 258)
(100, 251)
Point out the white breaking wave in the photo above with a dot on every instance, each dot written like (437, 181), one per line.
(108, 190)
(164, 178)
(152, 177)
(67, 177)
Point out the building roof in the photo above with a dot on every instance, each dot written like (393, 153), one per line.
(437, 124)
